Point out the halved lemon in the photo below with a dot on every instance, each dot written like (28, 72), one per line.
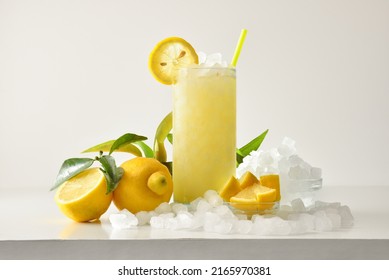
(83, 198)
(168, 56)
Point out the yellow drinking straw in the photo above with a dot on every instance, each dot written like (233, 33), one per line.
(239, 47)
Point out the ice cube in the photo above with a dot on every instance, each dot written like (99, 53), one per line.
(320, 205)
(285, 151)
(315, 173)
(260, 226)
(214, 58)
(164, 207)
(271, 226)
(288, 141)
(322, 222)
(213, 198)
(296, 227)
(243, 226)
(265, 159)
(203, 206)
(269, 170)
(298, 205)
(283, 214)
(179, 207)
(153, 213)
(123, 220)
(283, 165)
(347, 218)
(171, 223)
(298, 173)
(223, 227)
(335, 205)
(301, 223)
(308, 221)
(143, 217)
(295, 160)
(275, 155)
(198, 220)
(278, 226)
(167, 215)
(331, 210)
(193, 204)
(157, 222)
(210, 221)
(287, 147)
(335, 220)
(223, 211)
(185, 220)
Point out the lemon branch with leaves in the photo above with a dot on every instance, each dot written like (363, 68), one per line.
(134, 144)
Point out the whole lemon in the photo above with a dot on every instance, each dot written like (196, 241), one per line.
(145, 184)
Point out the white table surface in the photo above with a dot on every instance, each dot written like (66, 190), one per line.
(31, 227)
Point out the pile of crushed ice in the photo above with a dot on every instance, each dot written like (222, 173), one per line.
(210, 214)
(282, 160)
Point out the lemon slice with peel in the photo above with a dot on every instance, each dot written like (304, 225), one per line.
(231, 188)
(272, 181)
(248, 179)
(83, 198)
(254, 198)
(168, 56)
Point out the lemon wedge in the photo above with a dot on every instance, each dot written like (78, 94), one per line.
(272, 181)
(254, 198)
(231, 188)
(168, 56)
(248, 179)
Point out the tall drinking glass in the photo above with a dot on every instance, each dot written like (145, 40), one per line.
(204, 129)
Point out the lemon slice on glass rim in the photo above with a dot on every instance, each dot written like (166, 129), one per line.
(168, 56)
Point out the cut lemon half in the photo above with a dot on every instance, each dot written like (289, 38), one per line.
(168, 56)
(83, 198)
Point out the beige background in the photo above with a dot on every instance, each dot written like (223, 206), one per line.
(74, 73)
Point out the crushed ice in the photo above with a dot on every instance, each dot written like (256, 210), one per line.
(292, 219)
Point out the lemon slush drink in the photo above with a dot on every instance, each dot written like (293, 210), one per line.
(204, 129)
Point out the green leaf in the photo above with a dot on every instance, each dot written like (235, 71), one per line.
(253, 145)
(112, 173)
(170, 138)
(162, 132)
(126, 139)
(106, 147)
(70, 168)
(147, 151)
(239, 156)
